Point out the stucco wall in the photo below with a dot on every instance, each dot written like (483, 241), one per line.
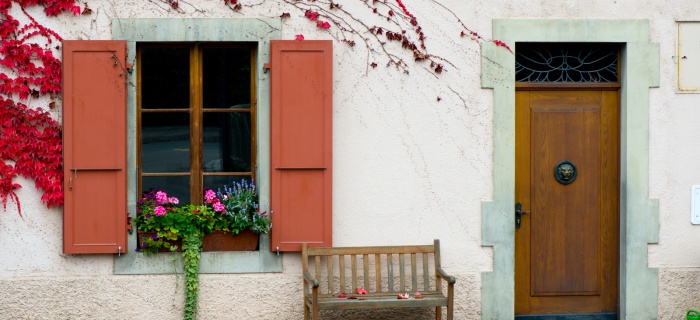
(407, 169)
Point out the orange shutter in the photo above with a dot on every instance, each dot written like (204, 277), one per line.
(94, 146)
(301, 143)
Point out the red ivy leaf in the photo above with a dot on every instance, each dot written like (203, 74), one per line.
(299, 37)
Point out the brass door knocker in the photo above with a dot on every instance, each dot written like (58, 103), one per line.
(565, 172)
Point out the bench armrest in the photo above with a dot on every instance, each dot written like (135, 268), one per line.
(308, 278)
(443, 275)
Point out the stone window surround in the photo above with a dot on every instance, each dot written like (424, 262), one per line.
(258, 30)
(639, 215)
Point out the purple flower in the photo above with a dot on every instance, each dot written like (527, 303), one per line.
(159, 211)
(148, 216)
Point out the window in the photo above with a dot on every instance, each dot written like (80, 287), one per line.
(196, 116)
(195, 112)
(257, 32)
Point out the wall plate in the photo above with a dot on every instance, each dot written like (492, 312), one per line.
(695, 205)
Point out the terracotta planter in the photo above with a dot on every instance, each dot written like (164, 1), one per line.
(177, 243)
(223, 241)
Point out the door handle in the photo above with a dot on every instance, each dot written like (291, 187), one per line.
(518, 214)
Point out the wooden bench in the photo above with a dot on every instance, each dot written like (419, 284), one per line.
(327, 285)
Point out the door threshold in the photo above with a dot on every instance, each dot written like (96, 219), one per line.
(574, 316)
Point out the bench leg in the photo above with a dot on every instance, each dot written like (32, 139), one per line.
(315, 312)
(438, 313)
(306, 311)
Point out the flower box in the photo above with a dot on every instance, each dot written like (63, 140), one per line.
(246, 240)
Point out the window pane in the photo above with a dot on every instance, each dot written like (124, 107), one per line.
(165, 78)
(226, 142)
(566, 62)
(165, 142)
(218, 182)
(178, 187)
(226, 78)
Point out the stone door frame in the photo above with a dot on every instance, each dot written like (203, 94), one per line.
(639, 215)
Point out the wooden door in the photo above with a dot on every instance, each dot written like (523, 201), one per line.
(567, 246)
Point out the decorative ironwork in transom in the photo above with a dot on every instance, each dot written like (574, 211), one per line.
(566, 62)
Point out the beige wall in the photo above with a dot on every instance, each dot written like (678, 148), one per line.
(407, 169)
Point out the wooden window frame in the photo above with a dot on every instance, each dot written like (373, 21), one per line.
(196, 113)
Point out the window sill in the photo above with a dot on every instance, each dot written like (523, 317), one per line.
(212, 262)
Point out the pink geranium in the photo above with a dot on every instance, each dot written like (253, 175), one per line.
(159, 211)
(161, 197)
(218, 207)
(209, 196)
(173, 200)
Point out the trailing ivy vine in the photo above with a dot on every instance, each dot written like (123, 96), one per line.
(191, 257)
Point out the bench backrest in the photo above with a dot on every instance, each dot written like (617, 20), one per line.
(344, 269)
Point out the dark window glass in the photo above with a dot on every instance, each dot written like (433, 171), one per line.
(174, 186)
(226, 77)
(226, 142)
(566, 62)
(165, 78)
(165, 142)
(218, 182)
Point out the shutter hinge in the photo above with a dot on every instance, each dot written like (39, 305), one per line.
(266, 67)
(129, 68)
(119, 250)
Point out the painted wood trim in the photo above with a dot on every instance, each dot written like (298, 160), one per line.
(94, 146)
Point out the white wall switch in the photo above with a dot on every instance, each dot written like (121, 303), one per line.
(695, 205)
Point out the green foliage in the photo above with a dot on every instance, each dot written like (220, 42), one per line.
(236, 209)
(171, 221)
(191, 257)
(151, 244)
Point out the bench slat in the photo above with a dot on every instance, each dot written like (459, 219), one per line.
(378, 272)
(369, 250)
(402, 273)
(382, 300)
(390, 271)
(341, 268)
(426, 274)
(365, 265)
(329, 274)
(317, 268)
(353, 266)
(414, 278)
